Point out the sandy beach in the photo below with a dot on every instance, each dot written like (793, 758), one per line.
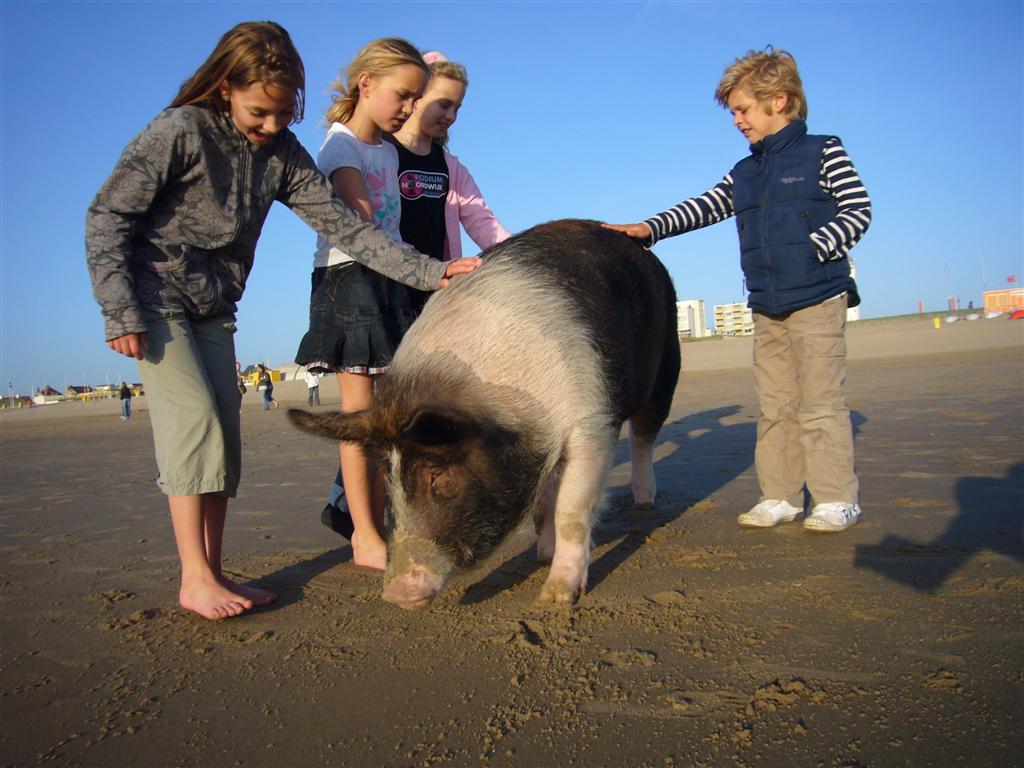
(698, 643)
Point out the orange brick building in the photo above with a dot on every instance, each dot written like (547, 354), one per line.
(1004, 300)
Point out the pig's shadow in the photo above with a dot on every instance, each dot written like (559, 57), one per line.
(700, 453)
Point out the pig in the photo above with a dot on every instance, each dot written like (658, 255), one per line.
(506, 398)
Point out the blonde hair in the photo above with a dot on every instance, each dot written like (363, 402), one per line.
(250, 52)
(765, 74)
(441, 67)
(375, 58)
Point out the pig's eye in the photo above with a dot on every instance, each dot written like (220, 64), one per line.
(442, 482)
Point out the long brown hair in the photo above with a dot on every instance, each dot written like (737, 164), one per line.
(250, 52)
(375, 58)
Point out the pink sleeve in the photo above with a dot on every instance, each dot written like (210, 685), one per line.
(464, 196)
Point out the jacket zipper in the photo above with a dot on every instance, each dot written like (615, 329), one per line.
(243, 169)
(766, 254)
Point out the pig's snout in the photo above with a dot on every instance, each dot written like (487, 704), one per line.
(416, 573)
(414, 589)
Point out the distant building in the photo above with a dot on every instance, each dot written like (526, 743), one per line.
(734, 319)
(691, 318)
(291, 371)
(1004, 300)
(16, 401)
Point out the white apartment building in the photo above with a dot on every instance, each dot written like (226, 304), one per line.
(691, 319)
(734, 319)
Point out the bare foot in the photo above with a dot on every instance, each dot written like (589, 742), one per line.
(255, 594)
(212, 600)
(369, 554)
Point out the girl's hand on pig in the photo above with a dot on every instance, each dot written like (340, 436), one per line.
(459, 267)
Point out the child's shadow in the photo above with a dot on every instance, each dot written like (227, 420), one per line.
(288, 582)
(705, 455)
(990, 517)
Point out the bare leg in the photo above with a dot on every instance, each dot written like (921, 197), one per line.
(201, 591)
(362, 480)
(215, 511)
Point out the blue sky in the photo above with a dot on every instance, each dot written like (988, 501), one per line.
(597, 110)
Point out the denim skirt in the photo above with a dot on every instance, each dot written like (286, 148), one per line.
(357, 317)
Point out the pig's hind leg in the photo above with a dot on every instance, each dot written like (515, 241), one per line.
(644, 425)
(585, 468)
(643, 431)
(641, 470)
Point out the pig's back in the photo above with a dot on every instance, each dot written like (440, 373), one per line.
(568, 317)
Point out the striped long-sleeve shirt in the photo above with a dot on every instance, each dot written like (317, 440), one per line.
(834, 240)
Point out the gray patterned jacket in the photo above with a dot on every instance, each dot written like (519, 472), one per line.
(176, 224)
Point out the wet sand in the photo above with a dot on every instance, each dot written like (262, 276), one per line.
(898, 642)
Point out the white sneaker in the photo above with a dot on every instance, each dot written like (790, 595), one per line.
(832, 517)
(769, 512)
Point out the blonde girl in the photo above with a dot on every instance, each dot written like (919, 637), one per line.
(170, 241)
(357, 316)
(437, 195)
(438, 192)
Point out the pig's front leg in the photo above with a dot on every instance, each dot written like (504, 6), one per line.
(583, 479)
(544, 520)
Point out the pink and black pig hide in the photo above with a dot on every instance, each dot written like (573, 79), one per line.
(507, 397)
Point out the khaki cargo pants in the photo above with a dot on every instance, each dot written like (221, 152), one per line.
(192, 389)
(804, 435)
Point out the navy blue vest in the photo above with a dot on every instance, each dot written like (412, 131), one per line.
(779, 202)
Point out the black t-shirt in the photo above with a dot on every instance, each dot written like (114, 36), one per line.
(423, 183)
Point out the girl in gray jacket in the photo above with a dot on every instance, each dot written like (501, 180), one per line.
(170, 241)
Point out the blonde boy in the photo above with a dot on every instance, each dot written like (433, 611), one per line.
(799, 206)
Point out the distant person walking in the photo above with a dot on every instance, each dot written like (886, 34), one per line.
(313, 387)
(242, 389)
(265, 386)
(126, 402)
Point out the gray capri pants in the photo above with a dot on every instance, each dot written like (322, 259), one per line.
(188, 372)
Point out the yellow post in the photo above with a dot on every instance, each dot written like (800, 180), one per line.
(938, 322)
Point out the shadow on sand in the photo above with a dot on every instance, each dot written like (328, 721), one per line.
(705, 455)
(288, 582)
(990, 518)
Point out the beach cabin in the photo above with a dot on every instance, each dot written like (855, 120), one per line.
(1004, 300)
(47, 396)
(80, 392)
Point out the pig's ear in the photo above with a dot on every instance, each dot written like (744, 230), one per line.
(350, 427)
(432, 426)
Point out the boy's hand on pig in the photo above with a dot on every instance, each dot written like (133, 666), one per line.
(640, 230)
(130, 345)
